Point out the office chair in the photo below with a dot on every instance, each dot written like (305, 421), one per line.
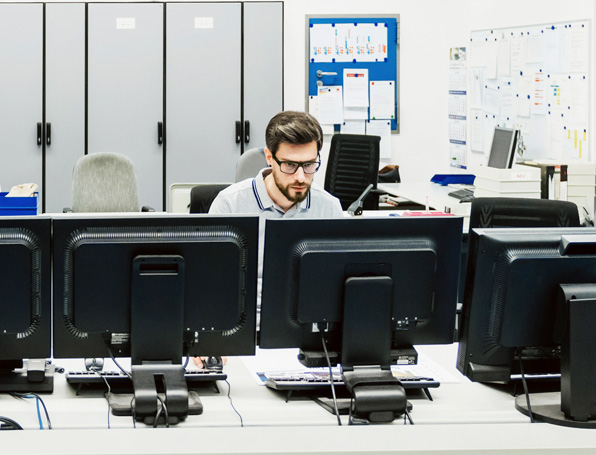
(353, 165)
(488, 212)
(105, 182)
(250, 163)
(201, 196)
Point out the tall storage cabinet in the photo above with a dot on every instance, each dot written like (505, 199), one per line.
(203, 91)
(21, 103)
(64, 138)
(181, 88)
(125, 88)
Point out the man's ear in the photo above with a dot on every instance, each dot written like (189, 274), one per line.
(268, 157)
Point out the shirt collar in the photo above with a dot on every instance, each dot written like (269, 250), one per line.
(262, 196)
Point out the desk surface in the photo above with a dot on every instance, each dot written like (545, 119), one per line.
(438, 196)
(464, 417)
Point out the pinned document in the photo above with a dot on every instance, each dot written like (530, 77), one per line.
(355, 87)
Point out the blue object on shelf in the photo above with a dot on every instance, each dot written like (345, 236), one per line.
(447, 179)
(10, 206)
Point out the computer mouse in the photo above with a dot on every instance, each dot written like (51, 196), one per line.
(212, 363)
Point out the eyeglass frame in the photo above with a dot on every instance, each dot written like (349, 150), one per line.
(300, 164)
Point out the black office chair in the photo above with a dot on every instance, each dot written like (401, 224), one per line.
(201, 196)
(489, 212)
(353, 165)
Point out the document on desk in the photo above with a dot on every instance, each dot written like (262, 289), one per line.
(268, 361)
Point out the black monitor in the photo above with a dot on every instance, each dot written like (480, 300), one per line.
(503, 148)
(25, 305)
(155, 288)
(370, 288)
(520, 314)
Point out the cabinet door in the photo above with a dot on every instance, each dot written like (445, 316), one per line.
(263, 68)
(203, 83)
(21, 80)
(65, 100)
(125, 89)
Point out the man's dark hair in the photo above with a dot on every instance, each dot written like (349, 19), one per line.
(293, 127)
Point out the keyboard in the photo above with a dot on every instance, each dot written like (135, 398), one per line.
(463, 194)
(119, 379)
(305, 381)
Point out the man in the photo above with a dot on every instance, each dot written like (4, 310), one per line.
(285, 189)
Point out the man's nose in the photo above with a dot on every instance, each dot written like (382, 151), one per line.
(299, 174)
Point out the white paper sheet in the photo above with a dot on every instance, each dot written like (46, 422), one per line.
(382, 100)
(355, 87)
(330, 104)
(381, 128)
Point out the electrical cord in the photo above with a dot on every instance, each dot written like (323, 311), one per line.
(525, 384)
(38, 399)
(232, 403)
(324, 342)
(108, 394)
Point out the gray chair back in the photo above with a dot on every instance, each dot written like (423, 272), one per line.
(250, 163)
(104, 182)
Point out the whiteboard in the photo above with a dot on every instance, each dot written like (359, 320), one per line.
(536, 79)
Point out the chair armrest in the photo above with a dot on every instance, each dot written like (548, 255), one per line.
(147, 208)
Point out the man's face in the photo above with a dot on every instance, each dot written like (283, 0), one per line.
(294, 187)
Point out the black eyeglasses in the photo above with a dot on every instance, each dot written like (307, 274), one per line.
(290, 167)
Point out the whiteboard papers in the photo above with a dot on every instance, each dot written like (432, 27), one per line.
(382, 100)
(348, 42)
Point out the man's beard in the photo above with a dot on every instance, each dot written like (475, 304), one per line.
(285, 190)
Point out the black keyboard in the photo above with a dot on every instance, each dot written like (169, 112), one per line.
(464, 194)
(318, 381)
(119, 379)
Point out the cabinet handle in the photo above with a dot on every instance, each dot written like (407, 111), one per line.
(39, 133)
(160, 133)
(246, 131)
(48, 134)
(238, 132)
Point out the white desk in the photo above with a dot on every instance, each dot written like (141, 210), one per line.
(463, 418)
(438, 197)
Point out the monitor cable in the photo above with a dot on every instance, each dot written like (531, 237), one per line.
(134, 421)
(324, 342)
(163, 408)
(525, 384)
(38, 400)
(232, 403)
(108, 394)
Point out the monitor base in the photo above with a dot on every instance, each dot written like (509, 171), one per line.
(36, 376)
(122, 404)
(546, 407)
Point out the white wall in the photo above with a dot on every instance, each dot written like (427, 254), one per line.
(428, 29)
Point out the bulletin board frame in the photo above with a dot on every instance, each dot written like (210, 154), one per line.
(384, 70)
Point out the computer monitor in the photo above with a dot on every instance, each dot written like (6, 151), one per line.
(503, 148)
(25, 304)
(367, 289)
(517, 316)
(155, 288)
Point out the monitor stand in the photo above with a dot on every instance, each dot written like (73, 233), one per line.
(33, 375)
(575, 405)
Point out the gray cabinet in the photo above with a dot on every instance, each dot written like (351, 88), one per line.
(171, 85)
(64, 139)
(21, 105)
(125, 88)
(203, 91)
(223, 84)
